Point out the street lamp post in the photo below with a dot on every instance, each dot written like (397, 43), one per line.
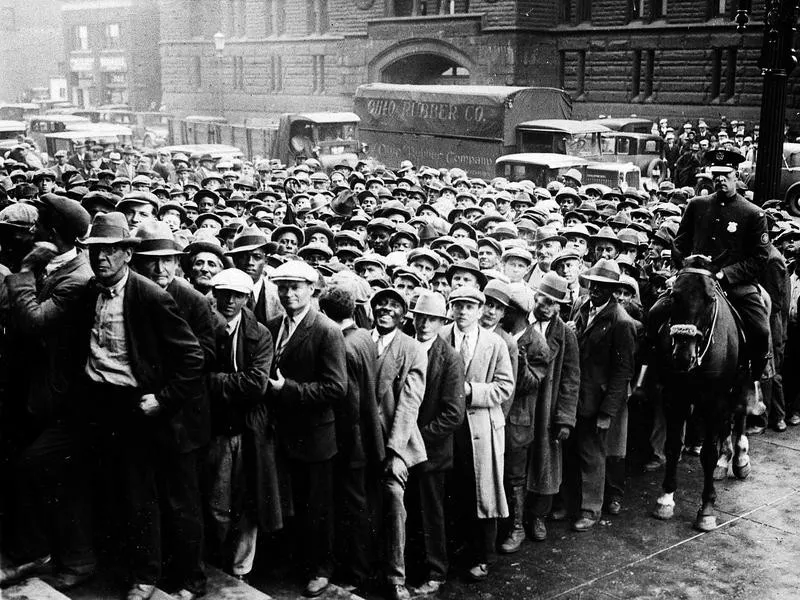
(778, 59)
(219, 88)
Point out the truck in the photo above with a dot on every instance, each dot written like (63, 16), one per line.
(467, 126)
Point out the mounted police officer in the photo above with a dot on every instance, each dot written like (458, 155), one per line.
(733, 232)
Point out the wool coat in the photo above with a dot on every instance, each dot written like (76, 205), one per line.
(555, 407)
(490, 376)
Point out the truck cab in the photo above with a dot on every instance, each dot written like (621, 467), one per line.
(330, 137)
(562, 136)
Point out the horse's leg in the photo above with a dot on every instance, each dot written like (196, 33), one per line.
(717, 427)
(741, 446)
(724, 459)
(676, 409)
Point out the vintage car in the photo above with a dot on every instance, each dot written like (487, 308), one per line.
(789, 186)
(645, 150)
(217, 151)
(10, 132)
(18, 111)
(542, 168)
(562, 136)
(628, 124)
(108, 136)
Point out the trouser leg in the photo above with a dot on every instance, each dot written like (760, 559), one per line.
(429, 491)
(592, 458)
(244, 546)
(755, 322)
(615, 478)
(394, 488)
(312, 485)
(352, 536)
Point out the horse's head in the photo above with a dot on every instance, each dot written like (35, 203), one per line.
(693, 298)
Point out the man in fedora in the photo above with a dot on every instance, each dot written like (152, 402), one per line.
(556, 402)
(142, 367)
(308, 379)
(51, 481)
(249, 254)
(440, 414)
(607, 341)
(480, 442)
(400, 379)
(202, 259)
(547, 243)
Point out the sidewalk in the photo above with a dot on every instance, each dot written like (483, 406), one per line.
(754, 553)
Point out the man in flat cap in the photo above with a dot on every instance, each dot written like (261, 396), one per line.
(51, 471)
(309, 377)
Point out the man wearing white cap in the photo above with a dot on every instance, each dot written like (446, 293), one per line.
(308, 379)
(240, 462)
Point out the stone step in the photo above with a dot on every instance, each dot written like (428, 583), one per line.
(32, 589)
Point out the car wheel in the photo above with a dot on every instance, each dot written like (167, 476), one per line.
(792, 202)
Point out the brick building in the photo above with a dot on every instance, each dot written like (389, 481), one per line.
(112, 52)
(31, 47)
(678, 58)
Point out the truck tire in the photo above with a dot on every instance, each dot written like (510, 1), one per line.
(656, 163)
(792, 201)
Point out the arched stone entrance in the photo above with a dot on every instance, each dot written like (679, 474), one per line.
(422, 62)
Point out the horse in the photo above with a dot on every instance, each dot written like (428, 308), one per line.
(701, 359)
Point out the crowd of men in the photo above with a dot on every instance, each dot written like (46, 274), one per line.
(391, 365)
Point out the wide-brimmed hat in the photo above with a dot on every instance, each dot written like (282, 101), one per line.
(248, 239)
(156, 239)
(431, 304)
(499, 291)
(554, 287)
(110, 228)
(547, 233)
(607, 234)
(604, 270)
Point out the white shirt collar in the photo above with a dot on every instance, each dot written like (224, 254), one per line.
(233, 324)
(387, 337)
(60, 260)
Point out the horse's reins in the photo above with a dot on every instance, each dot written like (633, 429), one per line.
(692, 330)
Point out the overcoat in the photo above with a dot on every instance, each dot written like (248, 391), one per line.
(534, 356)
(555, 407)
(490, 376)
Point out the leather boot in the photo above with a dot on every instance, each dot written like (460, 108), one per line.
(516, 536)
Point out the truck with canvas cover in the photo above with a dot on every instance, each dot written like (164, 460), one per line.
(465, 126)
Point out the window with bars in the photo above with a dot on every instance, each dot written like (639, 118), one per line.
(80, 37)
(564, 11)
(658, 9)
(723, 74)
(716, 8)
(269, 21)
(112, 36)
(649, 73)
(584, 11)
(636, 76)
(280, 17)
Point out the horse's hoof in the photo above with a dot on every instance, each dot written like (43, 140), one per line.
(720, 473)
(705, 522)
(664, 512)
(742, 472)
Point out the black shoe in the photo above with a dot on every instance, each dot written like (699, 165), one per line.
(479, 572)
(614, 507)
(539, 533)
(779, 426)
(586, 522)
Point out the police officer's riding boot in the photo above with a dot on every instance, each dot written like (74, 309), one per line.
(516, 536)
(754, 399)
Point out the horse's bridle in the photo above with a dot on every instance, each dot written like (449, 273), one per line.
(691, 330)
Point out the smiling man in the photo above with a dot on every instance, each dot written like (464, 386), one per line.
(402, 365)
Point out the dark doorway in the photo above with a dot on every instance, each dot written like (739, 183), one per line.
(425, 69)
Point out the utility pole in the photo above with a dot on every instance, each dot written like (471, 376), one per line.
(778, 59)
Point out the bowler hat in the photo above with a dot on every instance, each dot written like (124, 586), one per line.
(110, 228)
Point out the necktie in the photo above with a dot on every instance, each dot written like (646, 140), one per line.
(284, 339)
(464, 350)
(592, 314)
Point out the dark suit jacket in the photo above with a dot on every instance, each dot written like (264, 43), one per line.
(534, 358)
(732, 232)
(607, 347)
(314, 364)
(164, 354)
(196, 311)
(268, 306)
(358, 426)
(443, 405)
(52, 338)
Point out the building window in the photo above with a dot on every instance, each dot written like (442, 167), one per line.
(318, 73)
(716, 74)
(280, 17)
(636, 76)
(649, 73)
(8, 19)
(195, 74)
(635, 10)
(730, 74)
(239, 28)
(80, 37)
(658, 9)
(112, 36)
(238, 72)
(584, 11)
(564, 11)
(275, 74)
(269, 6)
(317, 21)
(717, 8)
(562, 69)
(580, 75)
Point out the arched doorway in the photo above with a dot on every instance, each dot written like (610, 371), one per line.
(422, 61)
(425, 69)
